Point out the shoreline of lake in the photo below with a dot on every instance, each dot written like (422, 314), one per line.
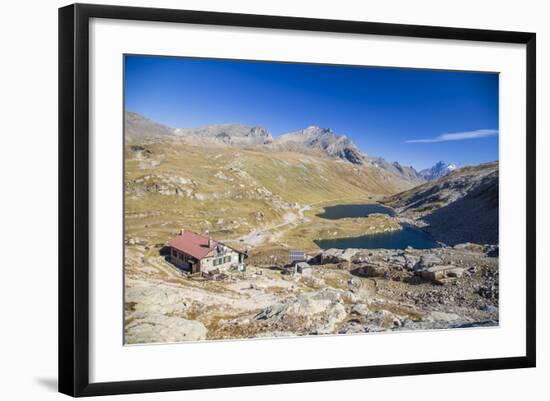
(408, 235)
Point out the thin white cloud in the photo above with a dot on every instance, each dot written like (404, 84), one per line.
(458, 136)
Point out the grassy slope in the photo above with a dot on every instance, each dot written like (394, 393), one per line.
(231, 191)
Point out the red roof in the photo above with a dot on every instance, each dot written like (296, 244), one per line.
(192, 244)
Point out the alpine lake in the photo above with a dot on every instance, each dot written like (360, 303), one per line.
(401, 239)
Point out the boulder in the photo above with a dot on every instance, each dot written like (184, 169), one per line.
(334, 256)
(371, 270)
(349, 297)
(156, 300)
(410, 262)
(381, 320)
(444, 281)
(398, 260)
(354, 282)
(312, 281)
(308, 307)
(305, 307)
(274, 311)
(492, 251)
(163, 329)
(442, 272)
(489, 308)
(428, 260)
(335, 314)
(483, 323)
(360, 309)
(352, 328)
(318, 316)
(470, 247)
(443, 317)
(328, 293)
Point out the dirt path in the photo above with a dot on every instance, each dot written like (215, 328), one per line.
(258, 236)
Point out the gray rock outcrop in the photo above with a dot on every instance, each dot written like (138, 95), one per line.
(163, 329)
(231, 134)
(324, 140)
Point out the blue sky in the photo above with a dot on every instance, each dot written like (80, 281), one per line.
(415, 117)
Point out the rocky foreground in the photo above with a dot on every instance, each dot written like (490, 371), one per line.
(348, 291)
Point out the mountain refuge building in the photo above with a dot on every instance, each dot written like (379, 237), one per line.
(197, 253)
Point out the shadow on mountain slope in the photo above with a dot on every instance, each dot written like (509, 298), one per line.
(472, 218)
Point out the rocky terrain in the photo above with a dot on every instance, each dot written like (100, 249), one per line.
(231, 134)
(406, 172)
(322, 140)
(459, 207)
(352, 291)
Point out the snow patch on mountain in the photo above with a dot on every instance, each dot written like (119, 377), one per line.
(438, 170)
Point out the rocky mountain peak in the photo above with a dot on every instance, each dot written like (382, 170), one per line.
(438, 170)
(324, 140)
(138, 126)
(408, 173)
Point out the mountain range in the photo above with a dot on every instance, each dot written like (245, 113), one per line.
(310, 139)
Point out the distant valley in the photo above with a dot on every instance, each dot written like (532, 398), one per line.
(241, 184)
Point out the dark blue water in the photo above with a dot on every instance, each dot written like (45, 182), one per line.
(408, 236)
(342, 211)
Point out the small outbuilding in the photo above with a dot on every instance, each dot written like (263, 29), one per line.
(303, 268)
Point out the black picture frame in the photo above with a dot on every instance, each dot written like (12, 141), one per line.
(74, 198)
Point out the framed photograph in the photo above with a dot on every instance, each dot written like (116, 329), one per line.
(250, 199)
